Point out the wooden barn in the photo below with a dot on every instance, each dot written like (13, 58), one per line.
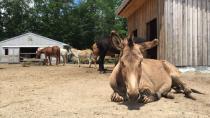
(13, 50)
(182, 26)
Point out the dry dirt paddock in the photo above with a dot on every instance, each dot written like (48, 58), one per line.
(69, 91)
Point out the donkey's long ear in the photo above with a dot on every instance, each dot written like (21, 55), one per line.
(148, 45)
(130, 40)
(116, 40)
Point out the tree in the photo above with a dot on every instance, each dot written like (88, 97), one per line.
(14, 16)
(62, 20)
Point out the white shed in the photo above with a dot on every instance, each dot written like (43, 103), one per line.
(14, 49)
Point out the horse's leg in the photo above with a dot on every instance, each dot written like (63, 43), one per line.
(63, 59)
(58, 57)
(57, 60)
(49, 60)
(101, 62)
(46, 60)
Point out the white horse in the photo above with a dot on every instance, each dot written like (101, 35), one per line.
(64, 53)
(88, 54)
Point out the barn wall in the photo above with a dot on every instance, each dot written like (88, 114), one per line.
(12, 57)
(25, 40)
(150, 10)
(183, 29)
(187, 32)
(141, 16)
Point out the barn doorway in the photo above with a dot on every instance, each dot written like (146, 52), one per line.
(152, 34)
(135, 33)
(27, 52)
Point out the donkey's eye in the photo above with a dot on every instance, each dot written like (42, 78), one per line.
(122, 64)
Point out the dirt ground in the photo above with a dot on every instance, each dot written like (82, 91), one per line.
(69, 91)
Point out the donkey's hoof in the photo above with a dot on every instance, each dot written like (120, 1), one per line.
(115, 97)
(147, 99)
(170, 95)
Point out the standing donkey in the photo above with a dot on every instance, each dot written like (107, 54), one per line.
(84, 54)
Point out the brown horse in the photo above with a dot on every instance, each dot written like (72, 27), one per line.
(50, 51)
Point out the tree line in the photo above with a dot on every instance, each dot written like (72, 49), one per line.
(76, 23)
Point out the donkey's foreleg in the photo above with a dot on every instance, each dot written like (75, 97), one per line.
(90, 61)
(95, 60)
(119, 91)
(78, 60)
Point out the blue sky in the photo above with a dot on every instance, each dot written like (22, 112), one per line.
(77, 1)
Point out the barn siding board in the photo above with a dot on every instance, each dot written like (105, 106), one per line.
(204, 32)
(162, 26)
(174, 43)
(200, 53)
(184, 35)
(189, 33)
(170, 31)
(159, 54)
(148, 11)
(194, 59)
(208, 4)
(166, 27)
(179, 33)
(167, 33)
(141, 22)
(176, 27)
(161, 29)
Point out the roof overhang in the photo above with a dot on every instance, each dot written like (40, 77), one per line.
(128, 7)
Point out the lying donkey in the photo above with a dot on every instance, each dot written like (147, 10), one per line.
(144, 80)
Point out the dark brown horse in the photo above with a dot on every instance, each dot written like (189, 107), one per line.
(50, 51)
